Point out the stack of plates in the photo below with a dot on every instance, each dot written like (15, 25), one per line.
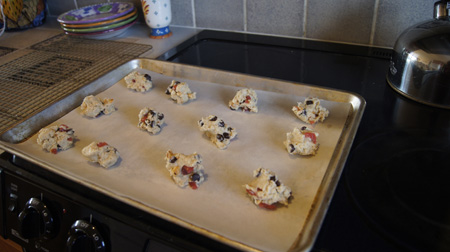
(101, 21)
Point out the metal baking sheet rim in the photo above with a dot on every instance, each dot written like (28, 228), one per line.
(307, 235)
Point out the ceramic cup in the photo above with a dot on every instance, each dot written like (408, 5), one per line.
(158, 15)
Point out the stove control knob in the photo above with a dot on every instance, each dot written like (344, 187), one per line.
(35, 220)
(84, 236)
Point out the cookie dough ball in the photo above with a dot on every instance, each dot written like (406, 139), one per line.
(310, 111)
(138, 81)
(217, 130)
(302, 141)
(185, 169)
(180, 92)
(245, 99)
(93, 106)
(55, 138)
(102, 153)
(266, 190)
(150, 120)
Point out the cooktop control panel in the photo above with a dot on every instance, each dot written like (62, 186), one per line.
(42, 220)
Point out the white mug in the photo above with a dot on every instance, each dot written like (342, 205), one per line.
(158, 15)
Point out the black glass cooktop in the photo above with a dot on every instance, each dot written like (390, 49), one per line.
(392, 195)
(304, 61)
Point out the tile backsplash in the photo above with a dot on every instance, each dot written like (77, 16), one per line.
(366, 22)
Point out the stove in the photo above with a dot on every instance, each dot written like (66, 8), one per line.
(393, 190)
(390, 197)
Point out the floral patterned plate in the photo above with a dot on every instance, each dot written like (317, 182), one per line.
(96, 13)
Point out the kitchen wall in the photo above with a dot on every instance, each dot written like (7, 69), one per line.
(367, 22)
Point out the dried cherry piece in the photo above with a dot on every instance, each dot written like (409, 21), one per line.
(185, 170)
(193, 185)
(144, 118)
(101, 144)
(311, 136)
(251, 192)
(267, 206)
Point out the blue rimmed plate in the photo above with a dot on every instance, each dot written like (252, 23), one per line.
(96, 13)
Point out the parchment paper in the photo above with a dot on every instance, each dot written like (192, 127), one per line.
(220, 204)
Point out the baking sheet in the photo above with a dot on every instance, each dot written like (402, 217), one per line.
(219, 208)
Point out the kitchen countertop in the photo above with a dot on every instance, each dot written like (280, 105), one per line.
(138, 33)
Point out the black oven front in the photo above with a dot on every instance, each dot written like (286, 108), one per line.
(42, 211)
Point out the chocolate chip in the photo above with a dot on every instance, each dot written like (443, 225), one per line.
(220, 137)
(173, 159)
(292, 148)
(221, 123)
(200, 122)
(148, 77)
(277, 183)
(303, 128)
(226, 135)
(213, 119)
(160, 116)
(167, 92)
(195, 177)
(309, 102)
(273, 178)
